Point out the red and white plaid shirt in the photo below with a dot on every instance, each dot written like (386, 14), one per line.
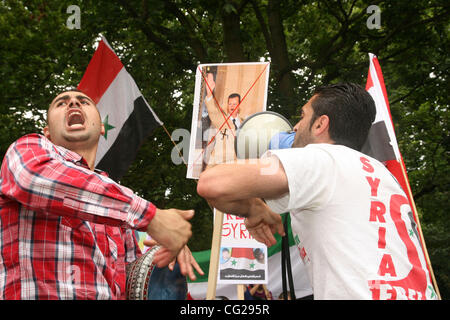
(66, 232)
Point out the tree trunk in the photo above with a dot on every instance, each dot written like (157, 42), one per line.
(273, 32)
(280, 58)
(232, 36)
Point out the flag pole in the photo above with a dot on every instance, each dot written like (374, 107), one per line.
(240, 291)
(419, 228)
(214, 259)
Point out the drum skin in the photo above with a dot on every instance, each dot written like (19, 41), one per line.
(145, 281)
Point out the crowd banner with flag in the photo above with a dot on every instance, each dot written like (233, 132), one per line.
(126, 115)
(243, 260)
(242, 265)
(198, 288)
(382, 144)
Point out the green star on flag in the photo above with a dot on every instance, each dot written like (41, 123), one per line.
(233, 262)
(252, 265)
(107, 126)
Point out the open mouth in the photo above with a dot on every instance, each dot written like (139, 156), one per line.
(75, 120)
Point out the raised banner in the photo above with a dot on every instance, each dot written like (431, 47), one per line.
(225, 95)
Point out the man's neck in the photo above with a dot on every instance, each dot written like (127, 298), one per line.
(88, 154)
(89, 157)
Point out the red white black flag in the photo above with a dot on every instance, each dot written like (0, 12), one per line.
(382, 145)
(126, 115)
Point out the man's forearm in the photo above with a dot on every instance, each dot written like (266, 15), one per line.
(36, 176)
(239, 207)
(242, 208)
(245, 179)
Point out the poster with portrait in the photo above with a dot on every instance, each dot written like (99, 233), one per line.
(243, 260)
(225, 95)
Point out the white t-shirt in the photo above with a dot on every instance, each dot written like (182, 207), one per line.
(353, 225)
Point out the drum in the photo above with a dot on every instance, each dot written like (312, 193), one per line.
(256, 132)
(145, 281)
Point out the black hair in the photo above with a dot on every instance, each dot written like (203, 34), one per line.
(351, 111)
(235, 95)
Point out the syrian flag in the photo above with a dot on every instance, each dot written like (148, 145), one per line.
(126, 115)
(382, 144)
(242, 266)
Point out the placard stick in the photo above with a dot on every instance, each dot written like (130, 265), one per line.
(215, 255)
(240, 291)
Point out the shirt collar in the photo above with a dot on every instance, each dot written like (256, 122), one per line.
(77, 159)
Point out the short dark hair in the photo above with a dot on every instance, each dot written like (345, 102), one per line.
(235, 95)
(351, 111)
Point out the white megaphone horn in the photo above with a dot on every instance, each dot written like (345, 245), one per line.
(260, 132)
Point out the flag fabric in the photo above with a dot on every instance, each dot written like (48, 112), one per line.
(382, 144)
(126, 115)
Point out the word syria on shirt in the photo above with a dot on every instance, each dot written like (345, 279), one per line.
(414, 285)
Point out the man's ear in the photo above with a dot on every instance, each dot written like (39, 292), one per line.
(46, 132)
(102, 129)
(321, 124)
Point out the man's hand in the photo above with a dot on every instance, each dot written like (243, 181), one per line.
(172, 231)
(262, 223)
(185, 259)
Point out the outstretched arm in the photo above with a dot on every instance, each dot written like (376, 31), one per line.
(243, 179)
(36, 175)
(238, 188)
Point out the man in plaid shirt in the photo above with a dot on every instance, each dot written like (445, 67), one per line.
(66, 229)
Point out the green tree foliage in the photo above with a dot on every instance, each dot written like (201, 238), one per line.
(308, 43)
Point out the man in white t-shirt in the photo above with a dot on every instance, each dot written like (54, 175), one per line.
(351, 219)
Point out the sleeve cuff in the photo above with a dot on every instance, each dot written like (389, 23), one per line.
(148, 210)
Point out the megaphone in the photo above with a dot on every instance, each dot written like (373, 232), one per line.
(260, 132)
